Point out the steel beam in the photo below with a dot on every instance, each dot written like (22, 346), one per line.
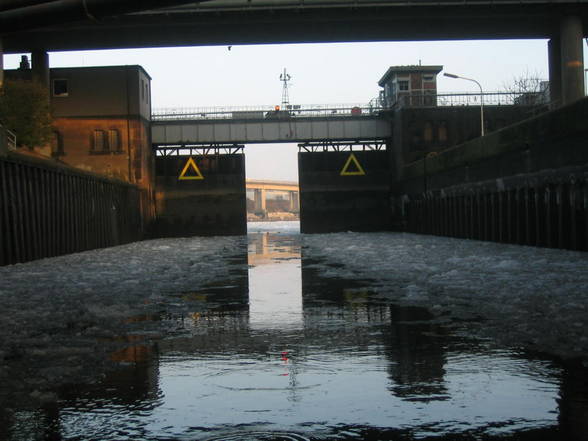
(195, 150)
(31, 14)
(341, 146)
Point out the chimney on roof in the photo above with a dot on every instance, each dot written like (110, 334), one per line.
(24, 63)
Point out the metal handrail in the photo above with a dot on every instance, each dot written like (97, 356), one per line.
(264, 111)
(10, 140)
(473, 99)
(345, 110)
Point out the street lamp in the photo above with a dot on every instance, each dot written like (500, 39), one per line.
(449, 75)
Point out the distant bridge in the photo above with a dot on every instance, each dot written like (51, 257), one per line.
(261, 187)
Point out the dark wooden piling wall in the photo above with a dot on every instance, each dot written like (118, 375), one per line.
(551, 214)
(526, 184)
(48, 210)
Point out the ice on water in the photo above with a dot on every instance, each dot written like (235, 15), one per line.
(527, 297)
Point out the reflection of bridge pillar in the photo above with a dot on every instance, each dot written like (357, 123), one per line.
(294, 203)
(259, 198)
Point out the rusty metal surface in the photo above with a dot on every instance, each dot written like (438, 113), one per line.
(48, 210)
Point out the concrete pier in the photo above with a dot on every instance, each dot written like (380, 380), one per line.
(200, 195)
(344, 191)
(1, 63)
(572, 59)
(259, 201)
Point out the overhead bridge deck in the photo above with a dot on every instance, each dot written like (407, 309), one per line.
(268, 126)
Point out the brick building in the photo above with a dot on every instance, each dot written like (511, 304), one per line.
(101, 122)
(409, 85)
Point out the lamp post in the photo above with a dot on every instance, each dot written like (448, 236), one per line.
(449, 75)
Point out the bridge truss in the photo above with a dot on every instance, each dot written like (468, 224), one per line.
(198, 149)
(342, 146)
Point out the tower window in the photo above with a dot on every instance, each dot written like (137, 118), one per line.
(60, 88)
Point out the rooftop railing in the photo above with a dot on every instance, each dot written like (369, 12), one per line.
(374, 107)
(264, 111)
(472, 99)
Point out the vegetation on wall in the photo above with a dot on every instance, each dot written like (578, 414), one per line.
(24, 110)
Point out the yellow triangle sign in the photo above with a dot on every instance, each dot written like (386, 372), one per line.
(190, 165)
(345, 171)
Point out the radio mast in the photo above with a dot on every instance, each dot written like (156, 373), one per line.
(285, 78)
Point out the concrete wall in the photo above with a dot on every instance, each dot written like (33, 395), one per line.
(525, 184)
(423, 130)
(215, 204)
(330, 201)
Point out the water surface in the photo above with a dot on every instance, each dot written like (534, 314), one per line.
(279, 352)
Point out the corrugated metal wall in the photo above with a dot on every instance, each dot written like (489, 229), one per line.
(50, 210)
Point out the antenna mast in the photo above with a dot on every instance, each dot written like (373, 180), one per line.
(285, 78)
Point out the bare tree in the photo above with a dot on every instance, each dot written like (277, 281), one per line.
(528, 88)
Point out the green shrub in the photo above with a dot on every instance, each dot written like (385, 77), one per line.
(24, 110)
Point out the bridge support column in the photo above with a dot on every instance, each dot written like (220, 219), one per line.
(294, 203)
(566, 63)
(40, 67)
(572, 59)
(259, 197)
(1, 64)
(554, 56)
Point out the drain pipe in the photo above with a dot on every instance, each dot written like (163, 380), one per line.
(34, 13)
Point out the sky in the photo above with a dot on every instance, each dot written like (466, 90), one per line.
(335, 73)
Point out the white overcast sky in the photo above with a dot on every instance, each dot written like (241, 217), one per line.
(321, 74)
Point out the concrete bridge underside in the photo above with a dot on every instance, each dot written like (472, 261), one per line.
(182, 132)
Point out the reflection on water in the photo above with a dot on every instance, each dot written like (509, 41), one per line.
(295, 356)
(275, 293)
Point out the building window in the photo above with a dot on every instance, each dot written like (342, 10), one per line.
(114, 140)
(100, 144)
(403, 85)
(56, 144)
(428, 78)
(143, 90)
(60, 88)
